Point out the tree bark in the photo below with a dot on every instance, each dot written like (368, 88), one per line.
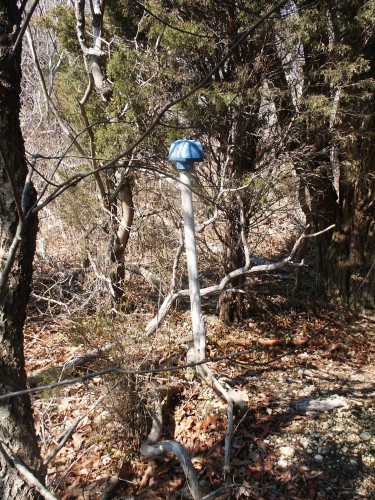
(242, 135)
(341, 186)
(349, 256)
(17, 246)
(231, 304)
(119, 238)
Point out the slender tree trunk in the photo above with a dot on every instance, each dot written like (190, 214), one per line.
(120, 238)
(17, 246)
(231, 304)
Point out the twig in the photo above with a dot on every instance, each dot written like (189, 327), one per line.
(63, 476)
(63, 441)
(232, 397)
(177, 256)
(97, 176)
(65, 127)
(49, 300)
(228, 438)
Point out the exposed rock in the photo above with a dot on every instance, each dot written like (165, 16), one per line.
(321, 404)
(365, 436)
(287, 451)
(282, 463)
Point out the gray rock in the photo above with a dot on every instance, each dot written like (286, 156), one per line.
(365, 436)
(321, 404)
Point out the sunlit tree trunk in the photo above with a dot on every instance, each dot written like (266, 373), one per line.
(120, 237)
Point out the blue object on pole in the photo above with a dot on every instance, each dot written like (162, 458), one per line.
(185, 153)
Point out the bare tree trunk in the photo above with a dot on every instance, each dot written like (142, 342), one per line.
(308, 229)
(231, 304)
(119, 238)
(17, 246)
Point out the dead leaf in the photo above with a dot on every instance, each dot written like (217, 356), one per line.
(77, 440)
(271, 342)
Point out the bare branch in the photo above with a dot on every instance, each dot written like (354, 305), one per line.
(24, 27)
(153, 447)
(146, 274)
(97, 177)
(65, 127)
(214, 289)
(95, 51)
(177, 257)
(25, 473)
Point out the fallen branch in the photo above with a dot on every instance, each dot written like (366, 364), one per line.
(232, 397)
(30, 479)
(39, 375)
(146, 274)
(152, 447)
(63, 441)
(228, 438)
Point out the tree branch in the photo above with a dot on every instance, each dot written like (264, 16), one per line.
(24, 27)
(97, 177)
(152, 447)
(25, 473)
(146, 274)
(95, 51)
(214, 289)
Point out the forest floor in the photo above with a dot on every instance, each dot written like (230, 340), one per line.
(307, 431)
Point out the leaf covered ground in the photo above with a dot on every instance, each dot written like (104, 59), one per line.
(307, 432)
